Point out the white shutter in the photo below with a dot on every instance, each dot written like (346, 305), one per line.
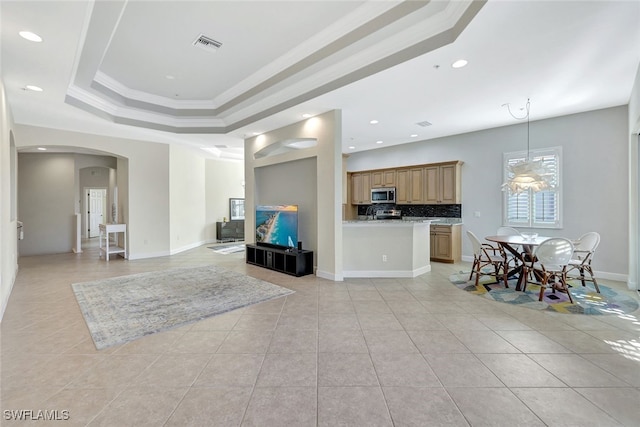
(534, 209)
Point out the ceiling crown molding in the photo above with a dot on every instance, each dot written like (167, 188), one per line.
(376, 36)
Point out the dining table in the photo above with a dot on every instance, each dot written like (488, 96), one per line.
(521, 247)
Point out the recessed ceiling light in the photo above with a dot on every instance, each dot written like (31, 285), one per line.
(415, 135)
(378, 142)
(256, 133)
(459, 63)
(352, 147)
(374, 122)
(33, 88)
(170, 77)
(42, 149)
(306, 115)
(32, 37)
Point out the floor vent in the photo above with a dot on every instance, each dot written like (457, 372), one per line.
(207, 43)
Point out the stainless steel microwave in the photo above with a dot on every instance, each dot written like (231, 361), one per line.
(383, 195)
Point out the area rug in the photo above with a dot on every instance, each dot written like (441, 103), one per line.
(121, 309)
(228, 249)
(585, 298)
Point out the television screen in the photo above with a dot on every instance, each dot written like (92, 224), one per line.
(277, 225)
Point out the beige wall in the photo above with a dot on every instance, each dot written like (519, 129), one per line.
(326, 129)
(634, 185)
(143, 183)
(187, 190)
(8, 190)
(46, 202)
(224, 180)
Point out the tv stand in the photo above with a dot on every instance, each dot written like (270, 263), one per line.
(289, 261)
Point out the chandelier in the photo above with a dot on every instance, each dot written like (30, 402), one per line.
(527, 174)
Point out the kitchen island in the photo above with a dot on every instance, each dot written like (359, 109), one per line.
(386, 248)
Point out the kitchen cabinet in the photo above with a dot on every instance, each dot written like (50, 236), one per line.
(446, 243)
(443, 183)
(383, 178)
(409, 188)
(361, 188)
(434, 183)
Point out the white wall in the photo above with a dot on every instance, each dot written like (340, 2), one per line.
(595, 176)
(187, 189)
(8, 190)
(224, 180)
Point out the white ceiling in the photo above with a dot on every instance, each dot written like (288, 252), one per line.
(104, 66)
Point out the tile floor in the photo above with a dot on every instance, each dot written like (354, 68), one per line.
(363, 352)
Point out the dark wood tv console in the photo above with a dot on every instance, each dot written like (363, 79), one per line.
(289, 261)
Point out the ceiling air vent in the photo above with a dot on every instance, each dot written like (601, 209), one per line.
(424, 124)
(207, 43)
(221, 146)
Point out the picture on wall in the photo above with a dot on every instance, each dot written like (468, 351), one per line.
(236, 209)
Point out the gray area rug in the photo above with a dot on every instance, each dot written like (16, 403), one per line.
(121, 309)
(228, 249)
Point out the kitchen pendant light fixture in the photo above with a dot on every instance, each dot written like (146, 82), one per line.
(527, 174)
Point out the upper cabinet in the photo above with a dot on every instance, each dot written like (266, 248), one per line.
(443, 183)
(361, 188)
(429, 184)
(383, 178)
(409, 188)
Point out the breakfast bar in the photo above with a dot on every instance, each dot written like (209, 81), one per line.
(386, 248)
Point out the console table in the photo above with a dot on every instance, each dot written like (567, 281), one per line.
(296, 262)
(230, 231)
(109, 247)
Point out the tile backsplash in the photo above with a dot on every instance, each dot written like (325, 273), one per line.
(439, 211)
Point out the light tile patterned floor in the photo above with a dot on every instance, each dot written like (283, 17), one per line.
(363, 352)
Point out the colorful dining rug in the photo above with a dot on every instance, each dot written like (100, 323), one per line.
(121, 309)
(585, 298)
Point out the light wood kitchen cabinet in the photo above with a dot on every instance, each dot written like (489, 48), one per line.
(409, 186)
(446, 244)
(443, 183)
(436, 183)
(361, 188)
(383, 178)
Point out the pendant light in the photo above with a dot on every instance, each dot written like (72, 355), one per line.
(527, 174)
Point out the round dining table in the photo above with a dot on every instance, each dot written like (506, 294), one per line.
(521, 247)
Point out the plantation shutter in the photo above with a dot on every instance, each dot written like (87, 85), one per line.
(534, 209)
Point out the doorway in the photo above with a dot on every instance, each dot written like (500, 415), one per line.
(96, 210)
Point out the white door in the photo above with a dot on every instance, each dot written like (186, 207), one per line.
(97, 199)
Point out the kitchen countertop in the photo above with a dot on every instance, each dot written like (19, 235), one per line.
(435, 221)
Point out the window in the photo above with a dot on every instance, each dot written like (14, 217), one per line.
(540, 209)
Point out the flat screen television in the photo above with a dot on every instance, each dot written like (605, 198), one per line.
(277, 225)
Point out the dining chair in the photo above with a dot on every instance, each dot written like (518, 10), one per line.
(485, 255)
(583, 251)
(510, 231)
(550, 262)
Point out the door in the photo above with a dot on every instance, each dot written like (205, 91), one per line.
(96, 201)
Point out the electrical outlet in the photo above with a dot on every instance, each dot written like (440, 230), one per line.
(384, 258)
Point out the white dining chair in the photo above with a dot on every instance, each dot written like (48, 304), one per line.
(583, 251)
(550, 262)
(486, 255)
(510, 231)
